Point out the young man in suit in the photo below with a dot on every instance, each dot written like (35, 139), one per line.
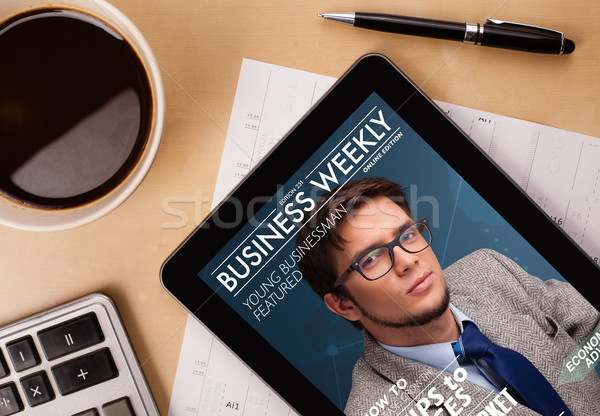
(376, 269)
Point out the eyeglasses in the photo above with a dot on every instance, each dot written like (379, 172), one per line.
(377, 262)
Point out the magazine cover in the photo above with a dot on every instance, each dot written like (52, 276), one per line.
(386, 280)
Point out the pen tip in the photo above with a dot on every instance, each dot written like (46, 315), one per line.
(320, 14)
(569, 46)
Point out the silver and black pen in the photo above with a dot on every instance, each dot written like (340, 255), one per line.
(494, 33)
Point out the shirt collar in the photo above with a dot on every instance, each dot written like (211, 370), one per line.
(436, 355)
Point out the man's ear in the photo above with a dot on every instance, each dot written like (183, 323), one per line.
(342, 306)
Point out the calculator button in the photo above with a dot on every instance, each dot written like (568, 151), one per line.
(37, 389)
(71, 336)
(4, 370)
(10, 403)
(85, 371)
(23, 354)
(120, 407)
(89, 412)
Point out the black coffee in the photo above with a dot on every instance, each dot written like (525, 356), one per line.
(75, 108)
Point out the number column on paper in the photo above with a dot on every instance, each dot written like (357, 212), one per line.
(268, 102)
(565, 183)
(582, 219)
(512, 147)
(188, 396)
(288, 97)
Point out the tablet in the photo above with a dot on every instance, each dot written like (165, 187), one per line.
(243, 272)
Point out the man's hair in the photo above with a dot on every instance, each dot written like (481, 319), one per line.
(317, 265)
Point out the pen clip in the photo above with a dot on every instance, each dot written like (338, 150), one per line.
(526, 28)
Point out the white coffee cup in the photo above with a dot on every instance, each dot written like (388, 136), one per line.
(28, 217)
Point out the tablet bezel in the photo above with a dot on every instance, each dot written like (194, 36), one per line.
(371, 73)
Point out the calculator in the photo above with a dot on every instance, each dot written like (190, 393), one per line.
(73, 360)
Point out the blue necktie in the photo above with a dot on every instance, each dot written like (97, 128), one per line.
(528, 385)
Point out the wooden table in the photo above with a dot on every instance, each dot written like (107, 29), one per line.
(200, 45)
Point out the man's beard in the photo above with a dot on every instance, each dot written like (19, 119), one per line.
(419, 319)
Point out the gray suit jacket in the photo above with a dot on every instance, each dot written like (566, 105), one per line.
(545, 321)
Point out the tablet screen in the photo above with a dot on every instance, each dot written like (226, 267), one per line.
(308, 267)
